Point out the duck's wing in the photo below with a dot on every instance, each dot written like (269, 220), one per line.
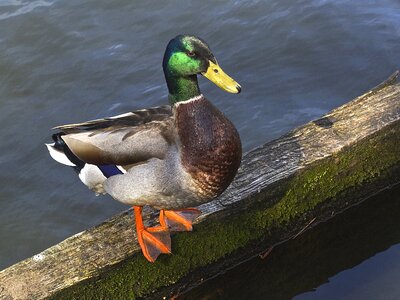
(134, 118)
(126, 139)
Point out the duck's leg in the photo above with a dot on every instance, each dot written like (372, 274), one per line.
(179, 220)
(152, 240)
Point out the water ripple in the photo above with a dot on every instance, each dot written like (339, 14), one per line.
(21, 7)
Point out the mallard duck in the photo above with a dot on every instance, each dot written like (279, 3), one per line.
(172, 158)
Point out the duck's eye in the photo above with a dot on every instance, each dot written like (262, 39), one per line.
(191, 53)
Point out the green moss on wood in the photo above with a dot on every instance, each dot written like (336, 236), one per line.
(316, 187)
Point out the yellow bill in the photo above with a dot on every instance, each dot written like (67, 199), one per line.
(221, 79)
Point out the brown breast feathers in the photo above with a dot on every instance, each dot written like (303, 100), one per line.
(211, 150)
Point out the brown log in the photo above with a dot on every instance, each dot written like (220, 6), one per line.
(280, 187)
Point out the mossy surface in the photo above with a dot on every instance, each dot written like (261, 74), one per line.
(275, 215)
(327, 249)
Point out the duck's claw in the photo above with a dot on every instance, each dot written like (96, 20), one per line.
(179, 220)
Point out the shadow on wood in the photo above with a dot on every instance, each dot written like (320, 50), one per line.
(313, 259)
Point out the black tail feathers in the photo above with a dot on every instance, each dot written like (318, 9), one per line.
(60, 145)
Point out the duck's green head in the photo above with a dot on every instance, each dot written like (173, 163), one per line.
(185, 57)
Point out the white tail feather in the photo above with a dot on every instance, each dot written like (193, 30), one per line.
(59, 156)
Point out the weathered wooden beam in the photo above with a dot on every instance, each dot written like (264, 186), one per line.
(308, 173)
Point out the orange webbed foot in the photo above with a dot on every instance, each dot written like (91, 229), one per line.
(179, 220)
(153, 240)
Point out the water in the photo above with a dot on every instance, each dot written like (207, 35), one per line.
(356, 255)
(70, 61)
